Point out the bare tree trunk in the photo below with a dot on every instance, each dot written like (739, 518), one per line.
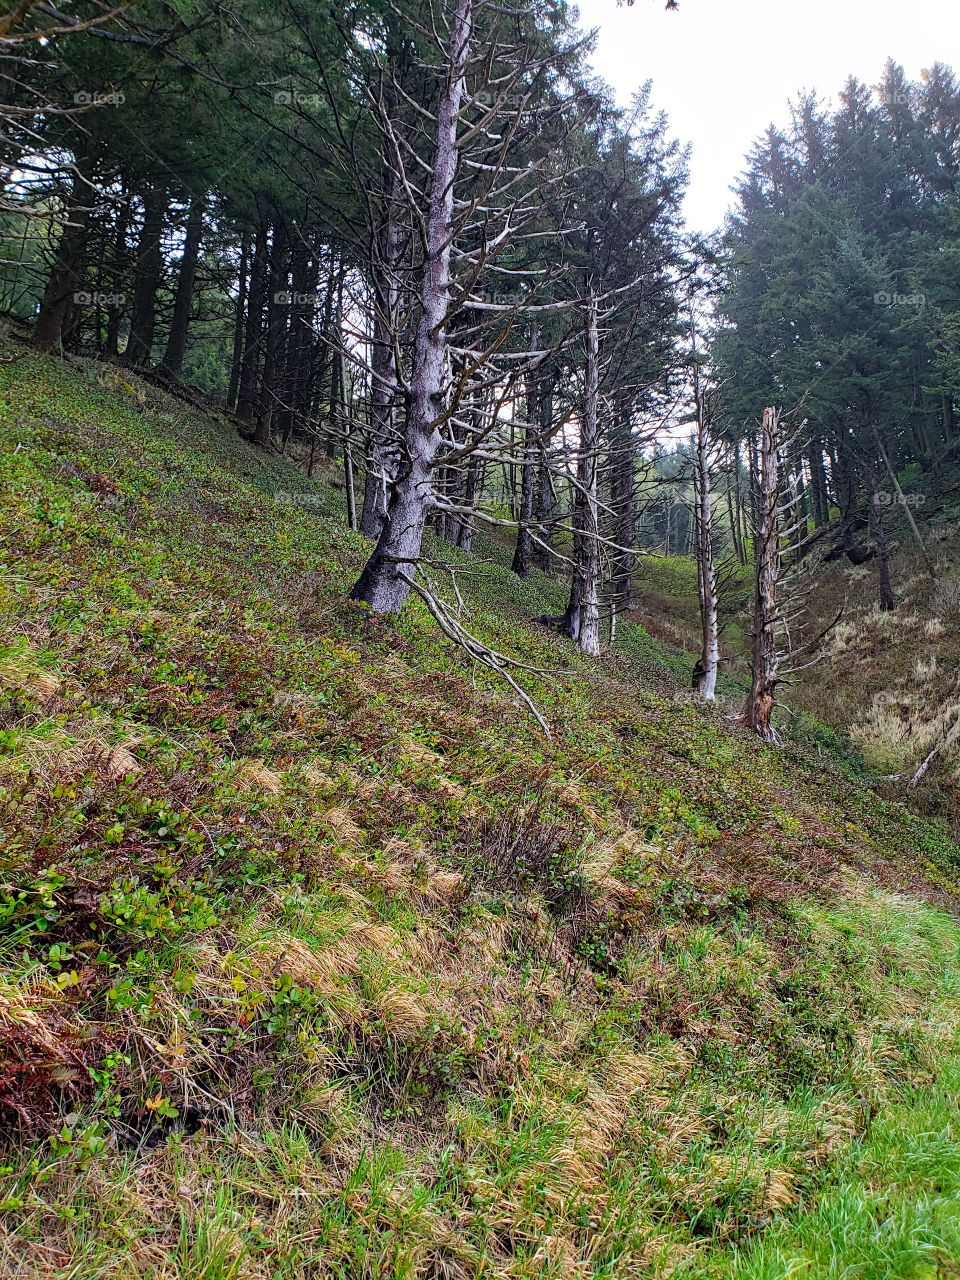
(111, 344)
(523, 552)
(467, 524)
(888, 601)
(295, 359)
(239, 318)
(705, 671)
(148, 269)
(758, 708)
(384, 381)
(733, 514)
(623, 501)
(582, 622)
(546, 500)
(183, 302)
(818, 483)
(253, 329)
(278, 311)
(384, 583)
(348, 476)
(336, 389)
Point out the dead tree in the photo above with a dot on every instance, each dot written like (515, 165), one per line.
(582, 619)
(480, 201)
(707, 666)
(384, 583)
(523, 552)
(758, 708)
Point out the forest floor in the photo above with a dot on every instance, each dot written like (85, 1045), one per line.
(318, 959)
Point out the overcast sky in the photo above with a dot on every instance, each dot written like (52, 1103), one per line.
(723, 69)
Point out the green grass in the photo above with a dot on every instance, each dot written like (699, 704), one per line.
(318, 959)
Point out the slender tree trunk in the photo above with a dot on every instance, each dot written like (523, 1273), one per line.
(761, 699)
(731, 495)
(183, 302)
(295, 362)
(278, 314)
(582, 621)
(467, 524)
(901, 499)
(111, 345)
(305, 346)
(239, 319)
(888, 601)
(546, 499)
(623, 501)
(347, 427)
(383, 583)
(382, 453)
(818, 485)
(523, 552)
(705, 671)
(253, 329)
(65, 274)
(148, 270)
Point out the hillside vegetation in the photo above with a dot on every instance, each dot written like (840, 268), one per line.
(320, 959)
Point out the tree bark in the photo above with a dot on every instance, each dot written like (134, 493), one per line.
(546, 500)
(278, 314)
(382, 451)
(253, 328)
(623, 501)
(888, 601)
(582, 621)
(65, 274)
(705, 671)
(384, 584)
(523, 552)
(239, 319)
(111, 345)
(148, 270)
(183, 302)
(761, 698)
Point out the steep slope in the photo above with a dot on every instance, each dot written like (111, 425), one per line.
(320, 959)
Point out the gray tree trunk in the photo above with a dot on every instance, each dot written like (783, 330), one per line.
(760, 701)
(383, 583)
(705, 671)
(523, 552)
(582, 621)
(382, 453)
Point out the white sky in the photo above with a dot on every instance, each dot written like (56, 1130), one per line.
(724, 69)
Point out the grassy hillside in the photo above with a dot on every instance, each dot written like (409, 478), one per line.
(319, 959)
